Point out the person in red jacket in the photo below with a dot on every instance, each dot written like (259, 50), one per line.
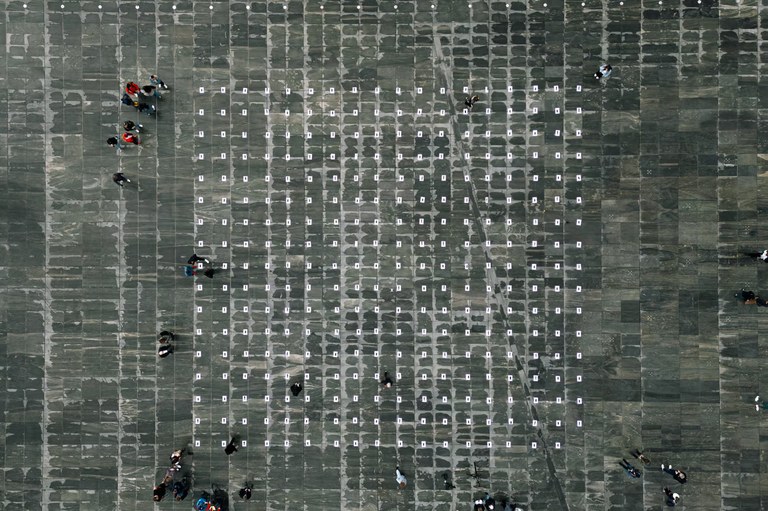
(130, 138)
(132, 88)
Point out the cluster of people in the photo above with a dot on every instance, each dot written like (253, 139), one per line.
(136, 95)
(180, 487)
(216, 502)
(672, 497)
(678, 475)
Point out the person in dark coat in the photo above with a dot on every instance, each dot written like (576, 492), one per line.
(245, 491)
(748, 296)
(195, 258)
(164, 350)
(149, 91)
(132, 126)
(127, 100)
(631, 471)
(639, 455)
(115, 142)
(119, 178)
(181, 489)
(231, 446)
(147, 109)
(763, 256)
(158, 492)
(296, 388)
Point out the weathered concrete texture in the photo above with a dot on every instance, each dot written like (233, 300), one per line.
(548, 277)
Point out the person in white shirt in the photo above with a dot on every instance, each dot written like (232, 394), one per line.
(759, 255)
(604, 71)
(400, 478)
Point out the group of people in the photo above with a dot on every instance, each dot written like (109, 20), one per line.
(135, 96)
(678, 475)
(180, 487)
(488, 503)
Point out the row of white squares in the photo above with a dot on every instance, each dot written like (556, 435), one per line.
(377, 157)
(399, 443)
(309, 91)
(399, 399)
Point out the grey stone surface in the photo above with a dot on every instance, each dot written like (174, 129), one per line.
(549, 277)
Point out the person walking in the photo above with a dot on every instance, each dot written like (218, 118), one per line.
(296, 389)
(448, 482)
(231, 446)
(402, 482)
(195, 258)
(132, 88)
(164, 350)
(150, 90)
(678, 475)
(115, 142)
(130, 138)
(158, 492)
(157, 82)
(631, 471)
(177, 454)
(146, 108)
(748, 297)
(181, 489)
(639, 455)
(168, 478)
(127, 100)
(604, 71)
(387, 381)
(132, 126)
(119, 178)
(470, 101)
(245, 491)
(672, 497)
(763, 256)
